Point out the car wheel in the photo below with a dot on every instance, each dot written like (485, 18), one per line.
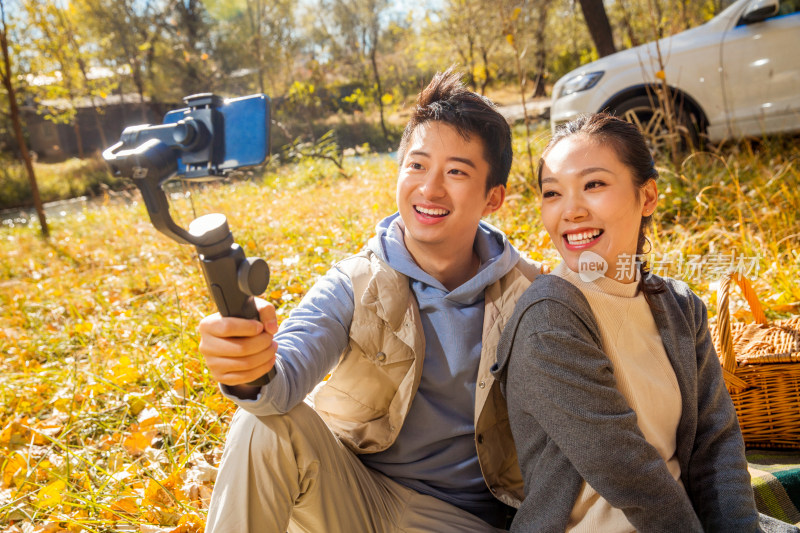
(651, 119)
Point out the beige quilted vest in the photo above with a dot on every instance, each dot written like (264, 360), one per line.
(369, 393)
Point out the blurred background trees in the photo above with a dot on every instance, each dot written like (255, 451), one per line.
(326, 64)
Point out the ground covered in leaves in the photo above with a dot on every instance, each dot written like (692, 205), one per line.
(108, 418)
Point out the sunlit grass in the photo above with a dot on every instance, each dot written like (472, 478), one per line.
(104, 400)
(108, 418)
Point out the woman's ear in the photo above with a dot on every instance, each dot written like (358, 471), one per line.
(650, 198)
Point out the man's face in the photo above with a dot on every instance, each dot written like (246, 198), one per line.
(441, 191)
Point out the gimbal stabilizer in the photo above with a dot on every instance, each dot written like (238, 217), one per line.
(149, 154)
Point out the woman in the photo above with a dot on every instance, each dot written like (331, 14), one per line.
(615, 394)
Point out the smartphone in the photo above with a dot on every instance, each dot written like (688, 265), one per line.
(244, 123)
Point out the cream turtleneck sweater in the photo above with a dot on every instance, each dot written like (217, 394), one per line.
(644, 377)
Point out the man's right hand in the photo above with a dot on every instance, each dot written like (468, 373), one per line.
(237, 350)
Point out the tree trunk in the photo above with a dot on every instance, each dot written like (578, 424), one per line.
(594, 12)
(99, 125)
(509, 30)
(139, 84)
(191, 13)
(254, 13)
(78, 139)
(87, 83)
(540, 61)
(658, 17)
(471, 63)
(374, 60)
(66, 23)
(487, 75)
(539, 89)
(15, 120)
(626, 24)
(75, 126)
(685, 22)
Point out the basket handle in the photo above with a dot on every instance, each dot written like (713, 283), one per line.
(724, 315)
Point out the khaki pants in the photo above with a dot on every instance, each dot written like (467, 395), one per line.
(290, 473)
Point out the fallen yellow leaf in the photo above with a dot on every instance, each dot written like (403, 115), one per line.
(126, 505)
(15, 469)
(137, 442)
(51, 494)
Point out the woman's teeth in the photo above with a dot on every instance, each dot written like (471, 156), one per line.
(584, 237)
(435, 212)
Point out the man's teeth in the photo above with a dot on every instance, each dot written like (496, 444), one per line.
(436, 212)
(583, 237)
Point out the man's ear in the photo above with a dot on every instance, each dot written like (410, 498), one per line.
(650, 198)
(495, 199)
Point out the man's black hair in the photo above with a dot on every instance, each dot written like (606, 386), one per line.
(446, 99)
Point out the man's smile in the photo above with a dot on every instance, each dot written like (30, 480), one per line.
(431, 211)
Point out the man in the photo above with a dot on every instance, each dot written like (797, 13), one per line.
(410, 433)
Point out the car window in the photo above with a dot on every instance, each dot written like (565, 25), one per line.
(788, 7)
(785, 7)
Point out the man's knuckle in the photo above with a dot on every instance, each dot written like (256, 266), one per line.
(225, 329)
(233, 351)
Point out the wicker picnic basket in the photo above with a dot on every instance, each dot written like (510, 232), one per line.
(761, 366)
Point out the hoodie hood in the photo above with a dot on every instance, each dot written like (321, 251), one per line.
(496, 254)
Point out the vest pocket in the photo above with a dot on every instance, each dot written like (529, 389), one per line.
(376, 342)
(356, 399)
(371, 370)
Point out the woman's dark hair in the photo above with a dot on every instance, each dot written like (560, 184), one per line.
(631, 148)
(446, 99)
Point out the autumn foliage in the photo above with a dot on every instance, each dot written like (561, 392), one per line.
(108, 418)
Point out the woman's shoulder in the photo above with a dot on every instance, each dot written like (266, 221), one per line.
(679, 299)
(677, 289)
(552, 307)
(551, 302)
(552, 290)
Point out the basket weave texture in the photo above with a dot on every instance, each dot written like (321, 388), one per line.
(761, 367)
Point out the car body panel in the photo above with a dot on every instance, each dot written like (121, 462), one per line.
(716, 66)
(762, 86)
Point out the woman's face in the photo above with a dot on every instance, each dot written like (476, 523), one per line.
(590, 203)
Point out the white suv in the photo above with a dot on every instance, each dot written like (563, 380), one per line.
(736, 75)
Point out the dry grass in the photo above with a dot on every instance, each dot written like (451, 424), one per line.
(108, 419)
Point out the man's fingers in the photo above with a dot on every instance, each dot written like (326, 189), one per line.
(239, 350)
(217, 325)
(225, 366)
(266, 313)
(235, 347)
(242, 370)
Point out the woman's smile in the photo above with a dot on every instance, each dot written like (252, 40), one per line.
(581, 239)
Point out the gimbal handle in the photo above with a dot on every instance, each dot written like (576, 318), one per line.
(233, 279)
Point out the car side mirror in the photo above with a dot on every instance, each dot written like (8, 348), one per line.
(759, 10)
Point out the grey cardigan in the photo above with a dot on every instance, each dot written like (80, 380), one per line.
(570, 423)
